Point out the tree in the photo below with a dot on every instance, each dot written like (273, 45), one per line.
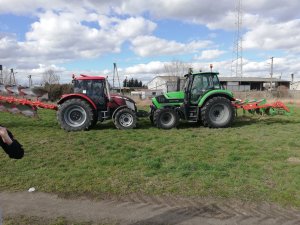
(132, 83)
(50, 77)
(50, 80)
(176, 68)
(125, 82)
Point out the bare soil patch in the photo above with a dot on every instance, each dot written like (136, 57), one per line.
(140, 209)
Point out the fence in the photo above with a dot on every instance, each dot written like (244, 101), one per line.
(278, 94)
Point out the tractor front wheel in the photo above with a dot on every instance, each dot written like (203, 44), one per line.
(218, 112)
(165, 118)
(125, 119)
(75, 115)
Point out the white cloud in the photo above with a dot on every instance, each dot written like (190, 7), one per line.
(283, 66)
(201, 11)
(268, 36)
(154, 67)
(210, 54)
(59, 37)
(60, 33)
(150, 46)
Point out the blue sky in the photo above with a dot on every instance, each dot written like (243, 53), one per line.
(142, 37)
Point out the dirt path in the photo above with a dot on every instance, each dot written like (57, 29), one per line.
(138, 210)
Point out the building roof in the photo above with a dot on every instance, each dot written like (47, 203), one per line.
(250, 79)
(228, 79)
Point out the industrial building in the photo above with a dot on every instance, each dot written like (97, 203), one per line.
(169, 83)
(252, 83)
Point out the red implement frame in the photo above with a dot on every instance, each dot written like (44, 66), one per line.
(252, 105)
(23, 101)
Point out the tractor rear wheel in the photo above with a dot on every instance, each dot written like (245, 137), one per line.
(165, 118)
(75, 115)
(218, 112)
(125, 119)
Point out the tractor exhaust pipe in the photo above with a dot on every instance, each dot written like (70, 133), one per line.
(107, 89)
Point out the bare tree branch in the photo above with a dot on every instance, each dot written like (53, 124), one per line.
(177, 68)
(50, 77)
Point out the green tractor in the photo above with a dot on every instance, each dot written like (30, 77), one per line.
(202, 101)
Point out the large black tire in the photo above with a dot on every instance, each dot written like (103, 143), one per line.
(165, 118)
(75, 115)
(125, 119)
(218, 112)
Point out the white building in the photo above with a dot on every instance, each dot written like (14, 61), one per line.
(146, 94)
(295, 86)
(165, 83)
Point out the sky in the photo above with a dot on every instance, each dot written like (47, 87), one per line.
(142, 36)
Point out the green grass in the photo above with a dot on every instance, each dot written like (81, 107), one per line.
(247, 161)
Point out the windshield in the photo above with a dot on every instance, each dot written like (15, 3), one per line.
(216, 82)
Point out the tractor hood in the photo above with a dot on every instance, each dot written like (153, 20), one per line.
(120, 100)
(175, 95)
(173, 98)
(117, 97)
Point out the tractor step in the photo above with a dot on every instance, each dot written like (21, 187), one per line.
(105, 114)
(193, 114)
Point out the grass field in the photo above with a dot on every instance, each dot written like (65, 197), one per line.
(249, 161)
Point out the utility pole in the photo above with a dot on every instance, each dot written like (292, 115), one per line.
(271, 73)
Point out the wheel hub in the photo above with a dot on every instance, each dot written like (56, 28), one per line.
(75, 116)
(126, 119)
(167, 119)
(219, 113)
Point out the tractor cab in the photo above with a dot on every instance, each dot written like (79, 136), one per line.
(199, 84)
(94, 87)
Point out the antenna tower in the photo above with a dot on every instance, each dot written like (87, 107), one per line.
(237, 57)
(116, 74)
(1, 74)
(12, 79)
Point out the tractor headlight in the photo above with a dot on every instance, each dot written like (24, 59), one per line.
(130, 105)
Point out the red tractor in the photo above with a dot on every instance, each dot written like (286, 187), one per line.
(92, 102)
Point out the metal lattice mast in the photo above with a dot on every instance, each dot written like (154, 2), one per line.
(1, 75)
(116, 74)
(237, 58)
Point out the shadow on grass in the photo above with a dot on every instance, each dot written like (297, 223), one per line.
(144, 123)
(242, 121)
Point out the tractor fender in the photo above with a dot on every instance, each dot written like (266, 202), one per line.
(80, 96)
(214, 93)
(117, 109)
